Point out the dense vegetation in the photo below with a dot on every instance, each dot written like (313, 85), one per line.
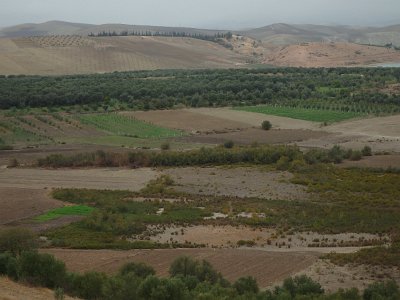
(355, 90)
(189, 279)
(286, 157)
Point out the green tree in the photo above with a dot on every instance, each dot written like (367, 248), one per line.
(266, 125)
(16, 240)
(139, 269)
(246, 285)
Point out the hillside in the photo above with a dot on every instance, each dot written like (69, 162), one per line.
(330, 55)
(76, 54)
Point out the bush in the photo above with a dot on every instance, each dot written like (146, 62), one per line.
(90, 285)
(382, 290)
(229, 144)
(17, 240)
(356, 155)
(41, 269)
(154, 288)
(266, 125)
(366, 151)
(299, 286)
(246, 285)
(138, 269)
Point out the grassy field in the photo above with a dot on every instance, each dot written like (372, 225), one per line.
(126, 126)
(77, 210)
(316, 115)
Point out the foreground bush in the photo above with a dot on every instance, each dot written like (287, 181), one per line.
(17, 240)
(190, 279)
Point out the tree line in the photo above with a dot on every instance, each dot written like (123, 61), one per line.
(201, 36)
(342, 89)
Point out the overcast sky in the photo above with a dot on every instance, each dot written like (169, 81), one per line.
(222, 14)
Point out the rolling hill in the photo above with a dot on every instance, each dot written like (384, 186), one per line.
(57, 48)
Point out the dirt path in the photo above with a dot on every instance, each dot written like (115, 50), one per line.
(266, 267)
(112, 178)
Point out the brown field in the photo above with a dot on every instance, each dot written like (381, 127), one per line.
(188, 120)
(10, 290)
(22, 203)
(330, 55)
(376, 161)
(255, 119)
(240, 182)
(266, 267)
(112, 178)
(380, 133)
(252, 135)
(75, 55)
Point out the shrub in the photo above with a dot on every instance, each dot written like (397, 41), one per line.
(41, 269)
(139, 269)
(366, 151)
(300, 285)
(154, 288)
(16, 240)
(229, 144)
(266, 125)
(90, 285)
(246, 285)
(382, 290)
(356, 155)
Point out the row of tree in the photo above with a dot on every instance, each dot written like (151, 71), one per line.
(341, 88)
(195, 35)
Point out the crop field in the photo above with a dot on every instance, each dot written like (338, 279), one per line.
(315, 115)
(127, 126)
(76, 210)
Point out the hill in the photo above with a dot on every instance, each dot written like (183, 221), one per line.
(330, 55)
(53, 55)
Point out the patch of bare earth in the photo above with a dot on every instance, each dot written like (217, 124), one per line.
(333, 277)
(266, 267)
(255, 135)
(380, 133)
(186, 120)
(330, 55)
(10, 290)
(256, 119)
(267, 239)
(376, 161)
(236, 182)
(23, 203)
(111, 178)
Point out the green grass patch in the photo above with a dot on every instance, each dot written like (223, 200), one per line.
(315, 115)
(126, 126)
(76, 210)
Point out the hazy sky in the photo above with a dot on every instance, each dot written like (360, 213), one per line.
(233, 14)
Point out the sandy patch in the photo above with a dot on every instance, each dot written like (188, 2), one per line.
(10, 290)
(267, 239)
(236, 182)
(333, 277)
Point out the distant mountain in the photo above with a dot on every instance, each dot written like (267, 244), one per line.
(285, 34)
(65, 28)
(275, 34)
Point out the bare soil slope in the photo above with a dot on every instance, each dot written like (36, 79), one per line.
(76, 54)
(331, 55)
(10, 290)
